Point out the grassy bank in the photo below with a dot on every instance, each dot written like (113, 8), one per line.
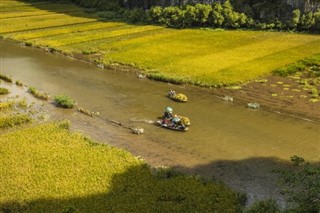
(201, 57)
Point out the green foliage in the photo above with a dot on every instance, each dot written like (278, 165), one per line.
(64, 101)
(307, 21)
(264, 206)
(316, 26)
(202, 12)
(37, 94)
(155, 14)
(19, 83)
(15, 120)
(6, 105)
(4, 91)
(301, 65)
(6, 78)
(135, 15)
(295, 19)
(217, 17)
(302, 185)
(172, 17)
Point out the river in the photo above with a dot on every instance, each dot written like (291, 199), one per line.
(237, 145)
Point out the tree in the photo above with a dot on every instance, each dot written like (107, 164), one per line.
(307, 20)
(216, 15)
(316, 26)
(155, 14)
(295, 19)
(189, 15)
(172, 17)
(202, 13)
(302, 183)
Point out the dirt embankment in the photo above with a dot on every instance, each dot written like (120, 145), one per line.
(295, 96)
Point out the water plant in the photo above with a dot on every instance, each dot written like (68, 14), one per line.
(64, 101)
(15, 120)
(6, 78)
(6, 105)
(19, 83)
(37, 94)
(4, 91)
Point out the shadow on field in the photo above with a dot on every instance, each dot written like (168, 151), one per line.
(137, 190)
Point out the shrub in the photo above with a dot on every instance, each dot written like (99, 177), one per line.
(6, 78)
(155, 14)
(302, 182)
(19, 83)
(3, 91)
(64, 101)
(16, 120)
(37, 94)
(6, 105)
(264, 206)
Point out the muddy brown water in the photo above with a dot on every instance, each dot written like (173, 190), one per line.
(228, 141)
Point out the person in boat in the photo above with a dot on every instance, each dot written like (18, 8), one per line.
(167, 114)
(172, 93)
(177, 122)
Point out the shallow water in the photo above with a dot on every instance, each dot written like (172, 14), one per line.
(226, 140)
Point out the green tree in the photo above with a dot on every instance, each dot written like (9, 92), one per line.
(155, 14)
(172, 17)
(231, 17)
(295, 19)
(316, 26)
(302, 183)
(202, 13)
(307, 21)
(189, 15)
(217, 15)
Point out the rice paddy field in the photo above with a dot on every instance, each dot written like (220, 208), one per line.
(203, 57)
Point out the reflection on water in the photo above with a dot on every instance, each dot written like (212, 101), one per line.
(220, 131)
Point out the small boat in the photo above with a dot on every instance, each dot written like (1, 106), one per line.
(177, 97)
(253, 105)
(185, 120)
(170, 125)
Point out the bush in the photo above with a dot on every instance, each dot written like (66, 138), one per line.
(136, 15)
(302, 185)
(6, 78)
(3, 91)
(64, 101)
(37, 94)
(264, 206)
(16, 120)
(19, 83)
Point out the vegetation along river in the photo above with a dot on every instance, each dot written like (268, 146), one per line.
(230, 142)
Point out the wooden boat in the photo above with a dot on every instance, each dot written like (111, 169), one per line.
(185, 120)
(169, 125)
(177, 97)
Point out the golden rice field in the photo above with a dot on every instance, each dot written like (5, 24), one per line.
(198, 56)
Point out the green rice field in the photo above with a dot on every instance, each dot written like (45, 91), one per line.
(203, 57)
